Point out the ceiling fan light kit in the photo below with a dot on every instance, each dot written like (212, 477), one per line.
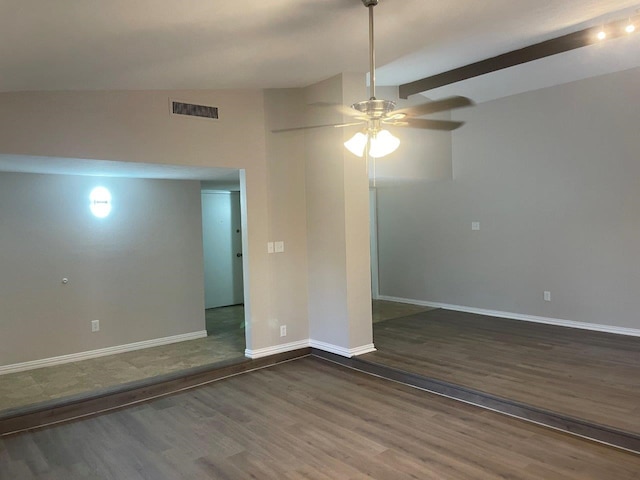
(375, 114)
(379, 143)
(375, 141)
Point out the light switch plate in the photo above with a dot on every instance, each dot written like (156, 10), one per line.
(475, 225)
(270, 247)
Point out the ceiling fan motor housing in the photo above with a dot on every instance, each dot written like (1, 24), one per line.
(375, 108)
(370, 3)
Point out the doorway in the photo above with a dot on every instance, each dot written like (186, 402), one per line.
(222, 249)
(222, 254)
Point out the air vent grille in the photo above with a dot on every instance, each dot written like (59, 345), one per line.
(191, 110)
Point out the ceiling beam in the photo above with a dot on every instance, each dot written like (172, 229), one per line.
(557, 45)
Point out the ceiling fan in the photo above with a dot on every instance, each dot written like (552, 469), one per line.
(374, 114)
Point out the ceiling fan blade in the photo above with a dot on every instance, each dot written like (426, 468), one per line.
(437, 106)
(335, 125)
(427, 124)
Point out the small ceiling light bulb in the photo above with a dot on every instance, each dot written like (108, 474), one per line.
(630, 28)
(602, 35)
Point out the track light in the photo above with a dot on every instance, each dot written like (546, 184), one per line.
(616, 29)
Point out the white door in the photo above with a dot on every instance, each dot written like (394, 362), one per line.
(222, 244)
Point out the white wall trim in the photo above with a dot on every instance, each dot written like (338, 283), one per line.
(75, 357)
(362, 350)
(285, 347)
(343, 352)
(520, 316)
(253, 354)
(327, 347)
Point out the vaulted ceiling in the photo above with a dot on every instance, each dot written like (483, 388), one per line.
(198, 44)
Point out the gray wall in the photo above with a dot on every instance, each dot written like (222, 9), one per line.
(423, 155)
(337, 196)
(139, 271)
(553, 176)
(288, 279)
(136, 126)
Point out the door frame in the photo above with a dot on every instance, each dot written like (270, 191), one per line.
(229, 193)
(373, 242)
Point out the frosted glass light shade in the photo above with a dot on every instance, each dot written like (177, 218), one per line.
(357, 143)
(383, 144)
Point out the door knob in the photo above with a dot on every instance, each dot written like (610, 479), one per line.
(238, 255)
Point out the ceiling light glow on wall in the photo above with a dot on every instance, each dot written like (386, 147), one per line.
(100, 202)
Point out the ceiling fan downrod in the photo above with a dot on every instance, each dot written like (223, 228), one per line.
(373, 108)
(372, 55)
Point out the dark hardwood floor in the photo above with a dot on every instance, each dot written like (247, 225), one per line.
(583, 374)
(306, 419)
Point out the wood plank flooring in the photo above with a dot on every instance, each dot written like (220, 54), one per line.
(306, 419)
(58, 411)
(382, 310)
(226, 341)
(590, 375)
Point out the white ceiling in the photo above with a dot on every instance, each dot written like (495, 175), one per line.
(196, 44)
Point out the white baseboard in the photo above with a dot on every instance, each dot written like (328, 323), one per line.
(343, 352)
(327, 347)
(75, 357)
(285, 347)
(362, 350)
(520, 316)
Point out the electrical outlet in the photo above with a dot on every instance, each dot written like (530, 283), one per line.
(283, 330)
(279, 246)
(95, 325)
(475, 225)
(547, 296)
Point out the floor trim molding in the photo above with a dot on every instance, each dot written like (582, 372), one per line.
(75, 357)
(600, 433)
(633, 332)
(285, 347)
(344, 352)
(327, 347)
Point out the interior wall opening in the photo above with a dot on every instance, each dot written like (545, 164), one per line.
(93, 303)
